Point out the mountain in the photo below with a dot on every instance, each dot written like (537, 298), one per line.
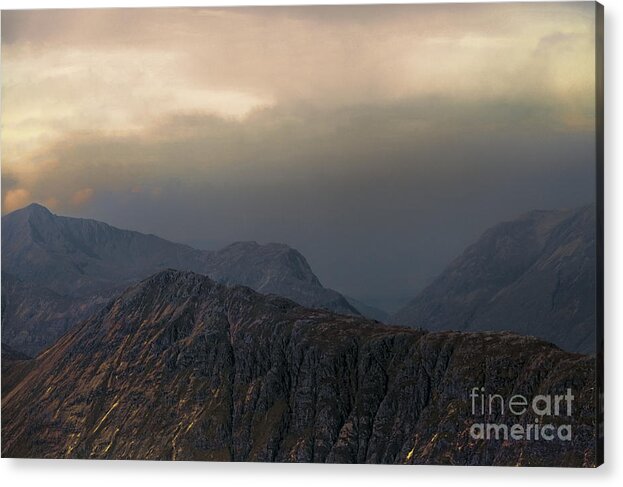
(274, 269)
(34, 316)
(368, 311)
(75, 256)
(9, 355)
(180, 367)
(535, 275)
(56, 270)
(14, 367)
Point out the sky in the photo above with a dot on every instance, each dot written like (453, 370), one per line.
(377, 140)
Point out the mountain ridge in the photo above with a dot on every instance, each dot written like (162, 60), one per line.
(182, 368)
(62, 267)
(535, 275)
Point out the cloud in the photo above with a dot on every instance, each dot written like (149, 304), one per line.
(366, 136)
(294, 141)
(16, 198)
(50, 94)
(360, 190)
(120, 70)
(82, 196)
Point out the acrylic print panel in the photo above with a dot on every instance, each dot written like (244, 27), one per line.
(355, 234)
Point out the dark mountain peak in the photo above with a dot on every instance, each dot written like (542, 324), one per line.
(539, 214)
(174, 309)
(86, 262)
(242, 245)
(275, 252)
(270, 264)
(534, 275)
(34, 212)
(36, 208)
(175, 285)
(274, 268)
(253, 246)
(529, 230)
(170, 286)
(174, 277)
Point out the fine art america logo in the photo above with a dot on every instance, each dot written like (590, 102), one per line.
(529, 415)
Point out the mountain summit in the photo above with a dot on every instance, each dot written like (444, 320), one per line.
(57, 270)
(535, 275)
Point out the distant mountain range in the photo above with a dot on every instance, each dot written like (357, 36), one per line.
(180, 367)
(58, 270)
(535, 275)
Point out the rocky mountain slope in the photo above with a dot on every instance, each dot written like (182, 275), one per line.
(56, 270)
(535, 276)
(179, 367)
(14, 367)
(9, 355)
(34, 316)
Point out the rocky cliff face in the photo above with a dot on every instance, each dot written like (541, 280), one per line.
(57, 270)
(179, 367)
(534, 276)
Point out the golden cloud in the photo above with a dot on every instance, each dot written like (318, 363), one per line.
(15, 198)
(234, 79)
(82, 196)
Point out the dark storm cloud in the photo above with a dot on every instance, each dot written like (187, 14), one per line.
(378, 198)
(377, 140)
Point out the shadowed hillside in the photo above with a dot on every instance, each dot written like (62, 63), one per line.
(57, 270)
(180, 367)
(534, 276)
